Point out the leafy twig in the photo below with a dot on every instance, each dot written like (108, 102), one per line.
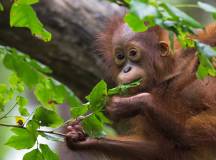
(52, 132)
(120, 2)
(186, 6)
(5, 115)
(28, 118)
(11, 125)
(39, 130)
(78, 119)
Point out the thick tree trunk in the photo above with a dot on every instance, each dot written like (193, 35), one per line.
(74, 25)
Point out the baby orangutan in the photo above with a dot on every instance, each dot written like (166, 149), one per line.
(172, 113)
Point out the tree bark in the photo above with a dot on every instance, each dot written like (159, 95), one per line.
(74, 25)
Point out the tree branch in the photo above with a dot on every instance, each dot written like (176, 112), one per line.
(4, 116)
(76, 121)
(39, 130)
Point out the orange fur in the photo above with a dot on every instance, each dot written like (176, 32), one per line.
(176, 119)
(208, 34)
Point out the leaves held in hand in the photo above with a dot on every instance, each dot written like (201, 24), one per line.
(97, 97)
(95, 124)
(122, 89)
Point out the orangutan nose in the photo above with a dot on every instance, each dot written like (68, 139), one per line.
(127, 69)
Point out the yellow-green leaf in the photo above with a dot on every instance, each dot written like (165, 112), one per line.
(23, 15)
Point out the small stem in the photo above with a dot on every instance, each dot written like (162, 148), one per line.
(11, 125)
(28, 118)
(13, 106)
(78, 119)
(121, 3)
(85, 116)
(10, 117)
(37, 144)
(187, 6)
(39, 130)
(52, 132)
(81, 118)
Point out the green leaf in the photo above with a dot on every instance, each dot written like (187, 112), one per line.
(33, 155)
(97, 97)
(184, 40)
(127, 1)
(16, 83)
(142, 10)
(109, 131)
(32, 127)
(50, 93)
(93, 126)
(178, 15)
(205, 67)
(78, 111)
(6, 95)
(23, 139)
(23, 15)
(39, 66)
(76, 106)
(72, 99)
(47, 117)
(202, 72)
(22, 102)
(52, 137)
(122, 89)
(136, 24)
(204, 60)
(27, 1)
(47, 153)
(212, 72)
(171, 37)
(25, 72)
(208, 8)
(1, 7)
(206, 49)
(100, 116)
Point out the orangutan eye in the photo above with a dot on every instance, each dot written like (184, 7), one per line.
(134, 54)
(120, 57)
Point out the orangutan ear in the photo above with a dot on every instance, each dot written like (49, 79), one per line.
(165, 49)
(163, 37)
